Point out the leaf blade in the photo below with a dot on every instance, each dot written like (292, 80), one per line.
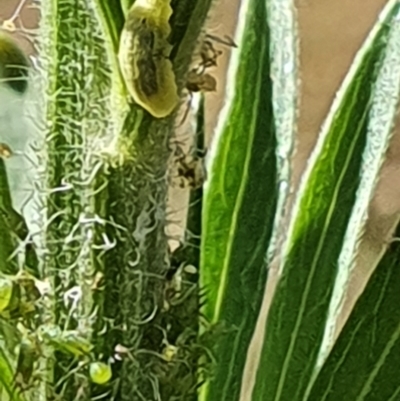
(369, 343)
(239, 213)
(297, 316)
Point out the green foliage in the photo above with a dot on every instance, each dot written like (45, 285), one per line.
(298, 315)
(238, 213)
(100, 308)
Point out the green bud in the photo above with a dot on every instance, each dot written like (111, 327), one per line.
(100, 373)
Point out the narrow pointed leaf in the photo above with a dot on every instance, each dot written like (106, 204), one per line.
(298, 313)
(381, 123)
(7, 379)
(240, 202)
(364, 363)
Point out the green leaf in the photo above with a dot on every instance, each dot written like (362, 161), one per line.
(299, 310)
(381, 122)
(240, 202)
(7, 378)
(7, 244)
(364, 363)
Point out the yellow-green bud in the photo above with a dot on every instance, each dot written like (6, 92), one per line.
(100, 372)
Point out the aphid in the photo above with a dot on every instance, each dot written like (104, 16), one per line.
(144, 57)
(198, 80)
(192, 172)
(226, 40)
(208, 55)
